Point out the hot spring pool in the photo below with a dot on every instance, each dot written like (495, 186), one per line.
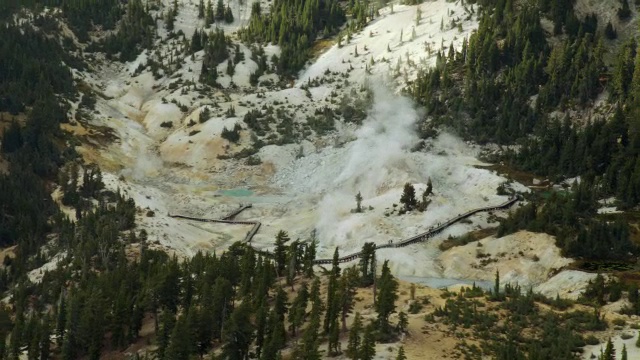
(236, 192)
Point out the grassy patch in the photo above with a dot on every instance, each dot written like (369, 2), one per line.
(523, 177)
(467, 238)
(321, 46)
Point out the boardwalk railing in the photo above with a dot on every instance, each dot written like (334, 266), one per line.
(227, 219)
(350, 257)
(425, 235)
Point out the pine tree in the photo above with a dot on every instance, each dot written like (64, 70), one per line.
(634, 98)
(238, 334)
(496, 288)
(163, 336)
(228, 15)
(181, 345)
(333, 343)
(346, 294)
(298, 309)
(12, 138)
(367, 264)
(332, 302)
(295, 258)
(280, 252)
(221, 304)
(408, 198)
(70, 342)
(385, 302)
(230, 68)
(261, 325)
(169, 21)
(247, 265)
(358, 202)
(44, 341)
(609, 351)
(309, 256)
(196, 41)
(32, 337)
(403, 322)
(280, 309)
(610, 32)
(622, 71)
(625, 11)
(273, 339)
(15, 340)
(353, 345)
(308, 347)
(367, 349)
(219, 10)
(202, 330)
(624, 352)
(208, 15)
(201, 9)
(401, 355)
(61, 319)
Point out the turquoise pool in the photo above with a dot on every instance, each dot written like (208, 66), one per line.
(236, 192)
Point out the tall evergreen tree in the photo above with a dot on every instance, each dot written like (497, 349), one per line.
(403, 322)
(45, 338)
(221, 304)
(346, 294)
(353, 345)
(280, 252)
(298, 309)
(307, 349)
(358, 202)
(609, 351)
(163, 337)
(201, 9)
(367, 349)
(61, 320)
(385, 303)
(367, 264)
(208, 15)
(238, 334)
(332, 302)
(181, 345)
(261, 326)
(228, 15)
(219, 10)
(309, 257)
(408, 198)
(401, 355)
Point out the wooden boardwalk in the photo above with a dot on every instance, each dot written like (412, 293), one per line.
(228, 219)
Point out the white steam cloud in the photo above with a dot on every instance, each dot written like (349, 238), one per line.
(375, 162)
(381, 145)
